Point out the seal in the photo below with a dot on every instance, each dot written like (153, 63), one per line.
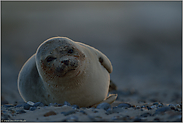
(64, 70)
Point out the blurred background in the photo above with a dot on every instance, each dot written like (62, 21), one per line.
(143, 40)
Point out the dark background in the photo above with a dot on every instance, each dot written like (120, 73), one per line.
(142, 40)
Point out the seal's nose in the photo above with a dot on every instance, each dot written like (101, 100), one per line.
(66, 62)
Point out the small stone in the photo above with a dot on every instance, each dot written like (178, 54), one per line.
(104, 106)
(125, 105)
(149, 108)
(68, 112)
(75, 106)
(32, 108)
(30, 103)
(67, 103)
(156, 103)
(163, 109)
(143, 106)
(27, 106)
(38, 104)
(49, 113)
(172, 106)
(160, 105)
(178, 106)
(53, 104)
(109, 112)
(137, 107)
(153, 106)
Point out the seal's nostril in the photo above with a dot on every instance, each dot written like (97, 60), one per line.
(71, 51)
(66, 62)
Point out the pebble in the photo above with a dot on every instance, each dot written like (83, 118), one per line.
(153, 106)
(32, 108)
(149, 108)
(173, 107)
(178, 106)
(68, 112)
(125, 105)
(156, 103)
(53, 104)
(160, 105)
(104, 106)
(137, 107)
(27, 106)
(162, 109)
(67, 103)
(75, 106)
(38, 104)
(30, 103)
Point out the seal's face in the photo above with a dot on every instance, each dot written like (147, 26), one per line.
(59, 58)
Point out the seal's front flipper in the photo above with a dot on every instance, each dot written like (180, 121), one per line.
(110, 99)
(105, 62)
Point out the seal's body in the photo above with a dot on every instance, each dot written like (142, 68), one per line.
(63, 70)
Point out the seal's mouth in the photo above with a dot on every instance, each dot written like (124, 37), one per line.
(66, 66)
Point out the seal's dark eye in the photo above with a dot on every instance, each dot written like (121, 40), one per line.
(49, 59)
(101, 60)
(71, 51)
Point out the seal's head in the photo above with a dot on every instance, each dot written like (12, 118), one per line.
(59, 58)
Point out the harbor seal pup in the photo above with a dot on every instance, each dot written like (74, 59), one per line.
(64, 70)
